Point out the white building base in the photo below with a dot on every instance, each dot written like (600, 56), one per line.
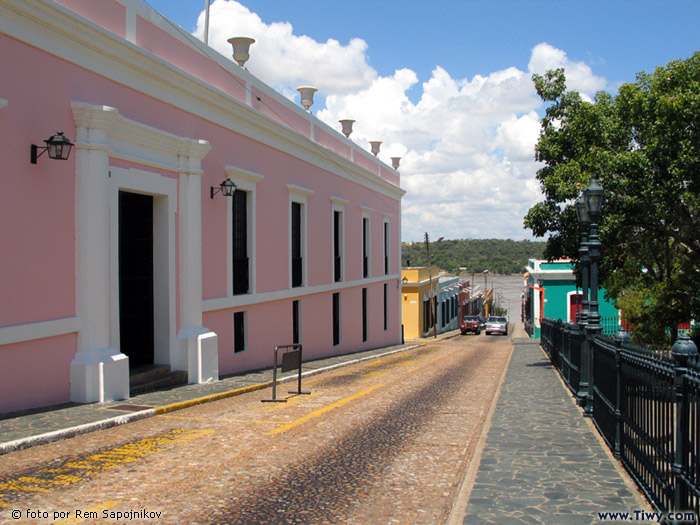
(200, 356)
(99, 376)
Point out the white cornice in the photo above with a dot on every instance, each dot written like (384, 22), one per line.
(338, 201)
(61, 32)
(241, 174)
(552, 275)
(298, 190)
(130, 140)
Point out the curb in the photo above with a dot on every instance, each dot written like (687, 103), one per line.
(67, 433)
(58, 435)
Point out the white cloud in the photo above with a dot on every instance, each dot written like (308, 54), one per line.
(285, 60)
(467, 148)
(579, 76)
(517, 136)
(467, 145)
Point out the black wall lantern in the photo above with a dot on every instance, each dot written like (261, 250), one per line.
(226, 188)
(58, 147)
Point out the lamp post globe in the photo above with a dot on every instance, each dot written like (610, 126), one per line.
(593, 196)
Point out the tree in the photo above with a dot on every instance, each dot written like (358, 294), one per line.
(476, 255)
(643, 146)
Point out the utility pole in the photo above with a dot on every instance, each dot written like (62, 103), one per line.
(206, 23)
(486, 305)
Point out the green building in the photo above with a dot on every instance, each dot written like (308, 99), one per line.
(552, 292)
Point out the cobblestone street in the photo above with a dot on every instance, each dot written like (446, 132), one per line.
(381, 441)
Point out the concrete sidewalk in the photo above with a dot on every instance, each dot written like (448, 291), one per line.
(36, 427)
(543, 462)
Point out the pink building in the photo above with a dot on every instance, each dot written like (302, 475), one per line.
(120, 256)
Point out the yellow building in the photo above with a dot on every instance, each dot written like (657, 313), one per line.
(419, 292)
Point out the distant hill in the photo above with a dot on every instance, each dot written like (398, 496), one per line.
(474, 255)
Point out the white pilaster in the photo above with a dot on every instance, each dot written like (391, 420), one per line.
(99, 372)
(194, 356)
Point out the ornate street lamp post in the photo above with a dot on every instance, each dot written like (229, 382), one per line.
(593, 198)
(585, 221)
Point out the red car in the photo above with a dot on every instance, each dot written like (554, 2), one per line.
(470, 323)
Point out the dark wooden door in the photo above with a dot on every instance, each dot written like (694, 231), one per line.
(136, 277)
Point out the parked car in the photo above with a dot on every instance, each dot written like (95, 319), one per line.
(498, 325)
(482, 323)
(470, 323)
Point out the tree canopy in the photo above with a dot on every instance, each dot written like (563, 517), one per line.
(502, 256)
(643, 147)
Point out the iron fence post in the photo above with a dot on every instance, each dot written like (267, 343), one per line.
(682, 349)
(620, 337)
(558, 343)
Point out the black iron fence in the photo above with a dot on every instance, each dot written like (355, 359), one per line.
(562, 342)
(644, 402)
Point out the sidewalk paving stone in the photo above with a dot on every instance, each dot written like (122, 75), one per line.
(542, 461)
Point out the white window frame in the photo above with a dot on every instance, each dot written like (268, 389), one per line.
(164, 193)
(338, 205)
(386, 233)
(366, 214)
(246, 181)
(301, 196)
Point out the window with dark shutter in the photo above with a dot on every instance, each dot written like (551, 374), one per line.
(365, 247)
(239, 331)
(296, 245)
(296, 327)
(336, 246)
(336, 319)
(364, 314)
(240, 243)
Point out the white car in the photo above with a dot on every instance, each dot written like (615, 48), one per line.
(497, 325)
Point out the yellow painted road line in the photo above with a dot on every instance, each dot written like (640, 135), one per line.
(72, 471)
(323, 410)
(88, 513)
(58, 480)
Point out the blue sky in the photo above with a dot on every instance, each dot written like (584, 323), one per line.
(457, 75)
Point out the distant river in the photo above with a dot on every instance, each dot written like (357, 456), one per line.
(508, 290)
